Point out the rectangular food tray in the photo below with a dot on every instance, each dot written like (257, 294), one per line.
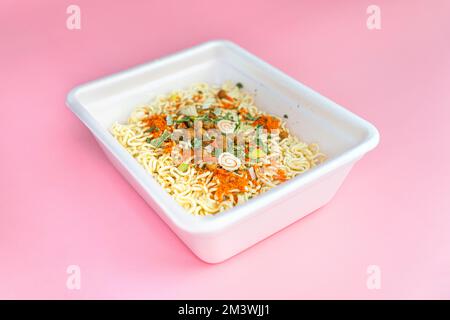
(341, 135)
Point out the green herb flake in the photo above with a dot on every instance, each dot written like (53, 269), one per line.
(184, 119)
(151, 129)
(159, 141)
(197, 143)
(239, 85)
(183, 167)
(251, 118)
(256, 154)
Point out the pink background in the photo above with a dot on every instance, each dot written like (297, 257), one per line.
(62, 203)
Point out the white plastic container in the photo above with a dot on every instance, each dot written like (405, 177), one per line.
(341, 135)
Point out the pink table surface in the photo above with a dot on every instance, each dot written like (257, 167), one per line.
(62, 203)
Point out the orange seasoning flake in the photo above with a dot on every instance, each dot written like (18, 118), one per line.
(227, 105)
(268, 122)
(227, 102)
(228, 181)
(281, 175)
(156, 124)
(168, 146)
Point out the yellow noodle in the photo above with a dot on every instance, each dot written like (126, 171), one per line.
(194, 188)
